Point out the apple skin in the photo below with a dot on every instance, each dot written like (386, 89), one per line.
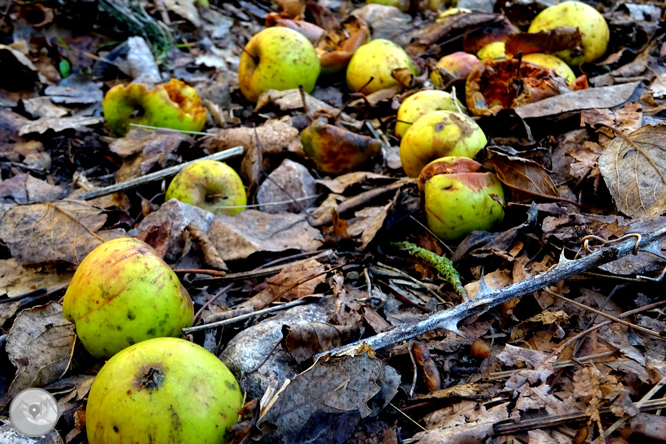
(277, 58)
(163, 390)
(402, 5)
(452, 11)
(123, 293)
(173, 105)
(588, 20)
(493, 51)
(439, 134)
(459, 198)
(460, 64)
(209, 185)
(377, 59)
(420, 104)
(552, 62)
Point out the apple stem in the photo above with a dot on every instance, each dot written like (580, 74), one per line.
(256, 59)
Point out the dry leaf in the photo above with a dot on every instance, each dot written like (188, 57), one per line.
(39, 345)
(636, 177)
(60, 232)
(550, 41)
(25, 189)
(16, 280)
(524, 175)
(304, 341)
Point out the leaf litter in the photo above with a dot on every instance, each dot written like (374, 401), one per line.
(334, 334)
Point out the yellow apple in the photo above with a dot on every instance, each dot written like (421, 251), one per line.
(493, 51)
(277, 58)
(552, 62)
(460, 64)
(420, 104)
(377, 60)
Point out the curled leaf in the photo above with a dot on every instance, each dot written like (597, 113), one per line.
(550, 41)
(310, 31)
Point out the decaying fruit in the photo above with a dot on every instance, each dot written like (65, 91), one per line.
(552, 62)
(336, 49)
(493, 51)
(420, 104)
(336, 150)
(123, 293)
(460, 64)
(460, 198)
(377, 60)
(173, 105)
(588, 20)
(277, 58)
(210, 185)
(439, 134)
(163, 390)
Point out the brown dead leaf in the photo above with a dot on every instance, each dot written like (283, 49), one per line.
(310, 31)
(39, 345)
(465, 422)
(325, 398)
(635, 173)
(337, 232)
(25, 189)
(60, 232)
(341, 183)
(16, 280)
(304, 341)
(549, 41)
(523, 175)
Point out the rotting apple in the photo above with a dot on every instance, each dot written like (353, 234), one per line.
(377, 60)
(163, 390)
(494, 51)
(439, 134)
(552, 62)
(123, 293)
(588, 20)
(460, 64)
(277, 58)
(336, 48)
(420, 104)
(209, 185)
(173, 105)
(336, 150)
(460, 198)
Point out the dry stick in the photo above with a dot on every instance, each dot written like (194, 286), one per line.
(486, 298)
(360, 200)
(158, 175)
(210, 301)
(605, 315)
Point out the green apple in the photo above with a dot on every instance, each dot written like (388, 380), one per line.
(460, 64)
(376, 60)
(588, 20)
(123, 293)
(163, 390)
(420, 104)
(552, 62)
(277, 58)
(439, 134)
(210, 185)
(173, 105)
(460, 198)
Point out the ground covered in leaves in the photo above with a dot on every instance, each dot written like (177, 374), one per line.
(559, 334)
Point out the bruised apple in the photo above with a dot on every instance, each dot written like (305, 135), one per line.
(123, 293)
(420, 104)
(460, 198)
(589, 21)
(173, 105)
(277, 58)
(460, 64)
(439, 134)
(377, 60)
(210, 185)
(163, 390)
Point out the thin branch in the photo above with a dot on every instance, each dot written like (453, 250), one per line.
(158, 175)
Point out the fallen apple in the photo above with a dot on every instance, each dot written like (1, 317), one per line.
(460, 198)
(439, 134)
(588, 20)
(402, 5)
(451, 12)
(336, 150)
(210, 185)
(277, 58)
(377, 60)
(552, 62)
(460, 64)
(172, 105)
(493, 51)
(420, 104)
(123, 293)
(163, 390)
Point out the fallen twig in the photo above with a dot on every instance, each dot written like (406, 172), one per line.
(158, 175)
(486, 298)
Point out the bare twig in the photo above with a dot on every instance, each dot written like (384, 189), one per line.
(486, 298)
(158, 175)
